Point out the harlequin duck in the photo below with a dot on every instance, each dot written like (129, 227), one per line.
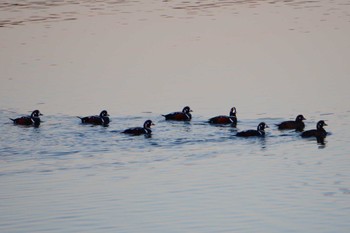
(146, 129)
(33, 119)
(298, 124)
(185, 115)
(102, 119)
(249, 133)
(231, 119)
(320, 133)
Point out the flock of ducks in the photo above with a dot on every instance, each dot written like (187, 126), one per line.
(185, 115)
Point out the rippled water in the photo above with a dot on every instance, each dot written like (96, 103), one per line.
(270, 59)
(186, 177)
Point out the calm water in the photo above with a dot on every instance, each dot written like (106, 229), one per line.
(270, 59)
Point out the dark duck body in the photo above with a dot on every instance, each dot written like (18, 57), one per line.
(298, 124)
(185, 115)
(224, 120)
(146, 129)
(260, 132)
(319, 133)
(33, 119)
(101, 119)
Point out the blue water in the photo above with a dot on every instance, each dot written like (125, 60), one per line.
(272, 60)
(65, 176)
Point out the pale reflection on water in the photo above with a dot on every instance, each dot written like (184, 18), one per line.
(270, 59)
(138, 60)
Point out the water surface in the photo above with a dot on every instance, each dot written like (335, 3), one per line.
(271, 59)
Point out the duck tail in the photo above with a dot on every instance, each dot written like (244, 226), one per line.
(12, 119)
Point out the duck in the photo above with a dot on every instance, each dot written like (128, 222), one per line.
(260, 132)
(33, 119)
(298, 124)
(102, 119)
(185, 115)
(319, 133)
(223, 120)
(146, 129)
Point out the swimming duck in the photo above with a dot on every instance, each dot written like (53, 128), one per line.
(146, 129)
(33, 119)
(102, 119)
(250, 133)
(298, 124)
(231, 119)
(185, 115)
(320, 133)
